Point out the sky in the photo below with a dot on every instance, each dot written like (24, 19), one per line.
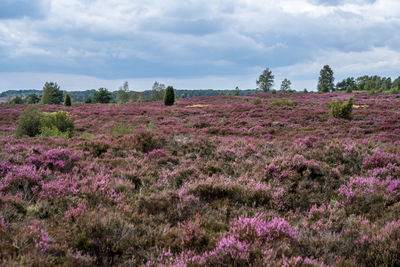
(194, 44)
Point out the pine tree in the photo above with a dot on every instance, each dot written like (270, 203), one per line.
(326, 79)
(51, 94)
(169, 96)
(266, 80)
(67, 101)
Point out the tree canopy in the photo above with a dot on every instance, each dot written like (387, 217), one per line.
(326, 79)
(266, 80)
(285, 86)
(51, 94)
(102, 96)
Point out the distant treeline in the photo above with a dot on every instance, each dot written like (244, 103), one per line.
(81, 96)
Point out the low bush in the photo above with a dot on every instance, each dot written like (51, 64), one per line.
(341, 109)
(33, 122)
(284, 102)
(29, 122)
(257, 101)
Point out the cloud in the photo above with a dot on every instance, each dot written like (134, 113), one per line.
(139, 39)
(14, 9)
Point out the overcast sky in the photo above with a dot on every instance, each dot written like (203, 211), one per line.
(194, 44)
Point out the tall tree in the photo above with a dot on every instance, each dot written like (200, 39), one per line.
(266, 80)
(102, 96)
(51, 94)
(157, 92)
(326, 79)
(285, 86)
(123, 93)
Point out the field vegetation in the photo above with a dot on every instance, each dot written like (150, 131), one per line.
(281, 179)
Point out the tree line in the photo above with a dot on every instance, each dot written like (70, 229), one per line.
(326, 83)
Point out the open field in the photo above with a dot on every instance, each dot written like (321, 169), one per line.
(210, 181)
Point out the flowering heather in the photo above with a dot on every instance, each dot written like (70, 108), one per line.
(209, 181)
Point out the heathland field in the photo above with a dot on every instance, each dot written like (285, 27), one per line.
(269, 179)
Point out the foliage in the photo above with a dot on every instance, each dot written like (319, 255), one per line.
(325, 80)
(60, 120)
(348, 85)
(237, 91)
(32, 122)
(51, 94)
(67, 100)
(284, 102)
(123, 95)
(341, 109)
(169, 96)
(285, 85)
(102, 96)
(29, 122)
(266, 80)
(88, 100)
(257, 101)
(32, 99)
(157, 91)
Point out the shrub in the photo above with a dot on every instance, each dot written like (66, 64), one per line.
(88, 100)
(284, 102)
(60, 120)
(29, 122)
(273, 91)
(257, 101)
(169, 96)
(32, 122)
(67, 101)
(340, 109)
(121, 129)
(53, 132)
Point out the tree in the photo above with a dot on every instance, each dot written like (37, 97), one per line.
(237, 91)
(285, 85)
(169, 96)
(123, 93)
(51, 94)
(88, 100)
(32, 99)
(102, 96)
(157, 91)
(348, 84)
(266, 80)
(326, 79)
(134, 96)
(67, 101)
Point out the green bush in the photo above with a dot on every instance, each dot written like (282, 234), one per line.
(53, 132)
(273, 91)
(67, 101)
(60, 120)
(169, 97)
(257, 101)
(341, 109)
(32, 122)
(121, 129)
(284, 102)
(29, 122)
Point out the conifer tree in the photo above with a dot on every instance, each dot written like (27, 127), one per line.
(169, 96)
(67, 101)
